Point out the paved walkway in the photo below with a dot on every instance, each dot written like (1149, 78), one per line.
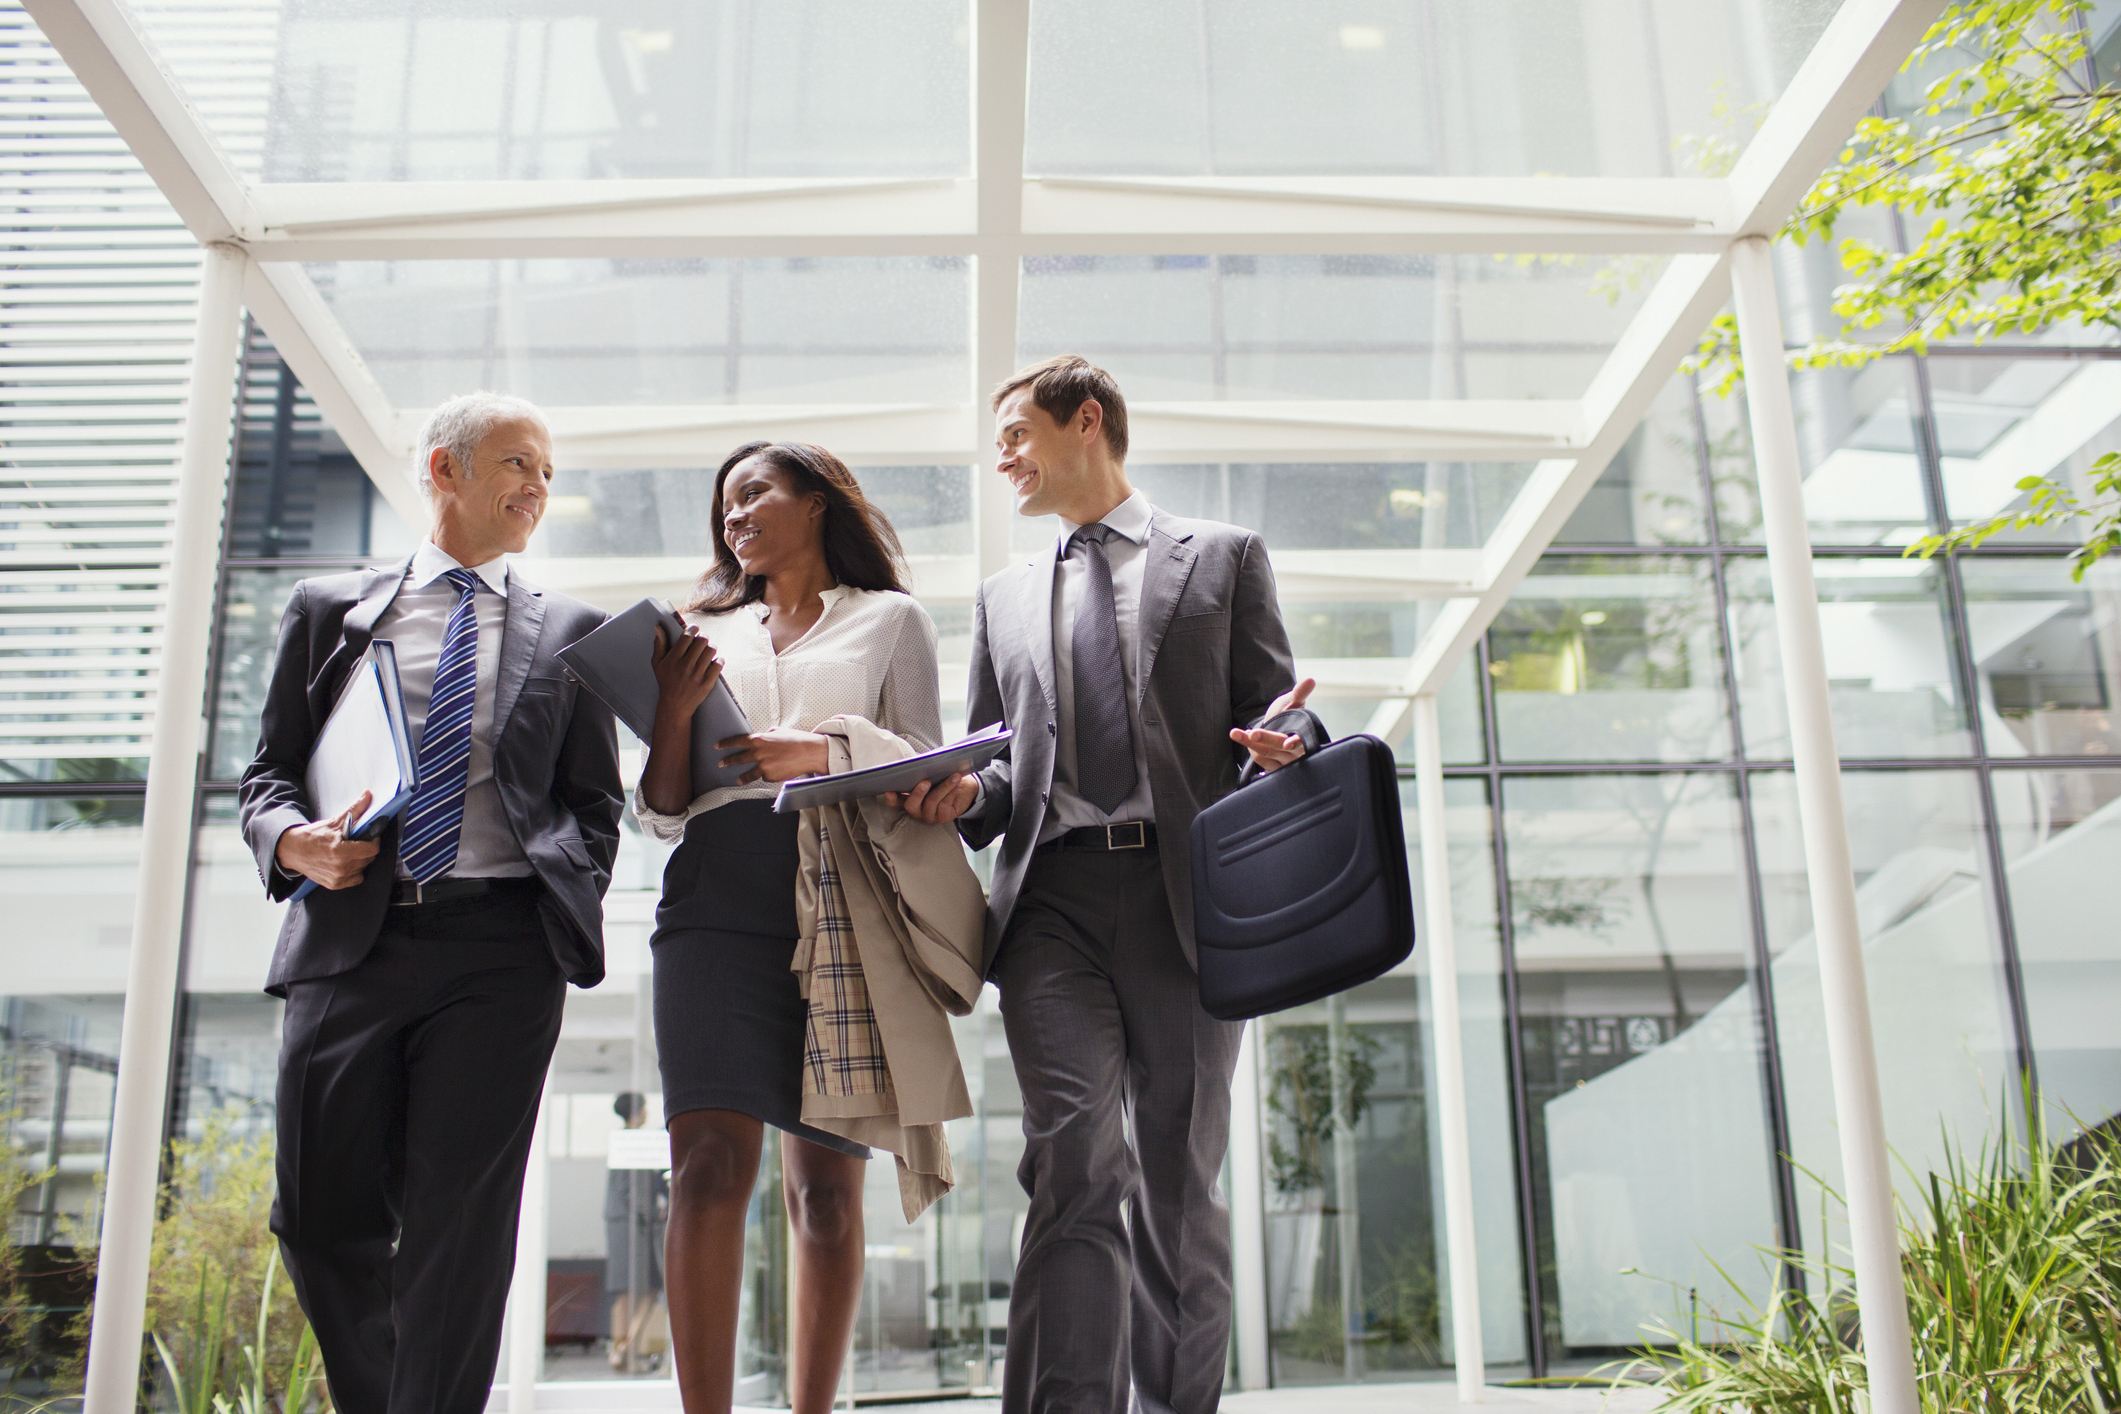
(1428, 1397)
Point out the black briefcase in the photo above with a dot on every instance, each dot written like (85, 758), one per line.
(1300, 885)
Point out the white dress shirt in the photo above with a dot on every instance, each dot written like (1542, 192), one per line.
(871, 654)
(414, 623)
(1129, 521)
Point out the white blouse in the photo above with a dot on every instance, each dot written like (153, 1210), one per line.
(870, 654)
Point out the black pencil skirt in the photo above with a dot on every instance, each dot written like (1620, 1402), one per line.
(728, 1017)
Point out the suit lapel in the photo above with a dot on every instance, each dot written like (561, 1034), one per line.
(519, 646)
(1036, 605)
(1168, 565)
(359, 626)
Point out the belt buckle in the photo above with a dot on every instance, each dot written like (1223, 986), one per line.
(1113, 835)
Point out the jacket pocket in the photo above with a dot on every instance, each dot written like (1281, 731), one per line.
(576, 852)
(1212, 620)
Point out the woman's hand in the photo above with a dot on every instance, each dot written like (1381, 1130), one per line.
(685, 672)
(776, 754)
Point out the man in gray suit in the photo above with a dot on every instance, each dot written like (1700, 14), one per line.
(1135, 658)
(425, 974)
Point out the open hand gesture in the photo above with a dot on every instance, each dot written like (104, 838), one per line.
(1273, 750)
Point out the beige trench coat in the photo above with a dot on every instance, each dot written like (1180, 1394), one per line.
(891, 920)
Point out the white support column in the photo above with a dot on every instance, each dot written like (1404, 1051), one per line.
(139, 1108)
(1450, 1055)
(1880, 1294)
(1248, 1215)
(1000, 44)
(526, 1291)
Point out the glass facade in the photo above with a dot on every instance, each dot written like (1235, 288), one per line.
(1650, 1109)
(1643, 1036)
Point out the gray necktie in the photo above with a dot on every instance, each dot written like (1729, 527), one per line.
(1104, 740)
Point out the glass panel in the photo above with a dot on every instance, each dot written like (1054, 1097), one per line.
(1355, 1216)
(67, 873)
(1856, 442)
(1650, 494)
(1519, 89)
(571, 333)
(1888, 659)
(623, 514)
(298, 492)
(2062, 839)
(1642, 1059)
(1332, 326)
(391, 91)
(1946, 1065)
(2000, 420)
(1407, 506)
(2049, 654)
(1610, 659)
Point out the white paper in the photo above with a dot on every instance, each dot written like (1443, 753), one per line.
(356, 752)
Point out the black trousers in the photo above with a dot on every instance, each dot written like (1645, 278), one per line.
(408, 1093)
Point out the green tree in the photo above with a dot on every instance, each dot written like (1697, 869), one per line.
(2010, 170)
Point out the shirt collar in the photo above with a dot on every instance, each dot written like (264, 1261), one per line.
(1129, 518)
(430, 562)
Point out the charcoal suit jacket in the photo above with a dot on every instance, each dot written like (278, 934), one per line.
(1212, 655)
(555, 761)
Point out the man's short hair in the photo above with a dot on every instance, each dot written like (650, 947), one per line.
(1059, 388)
(460, 425)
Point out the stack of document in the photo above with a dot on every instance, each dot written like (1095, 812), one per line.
(365, 746)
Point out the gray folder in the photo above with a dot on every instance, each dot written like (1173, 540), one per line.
(615, 663)
(970, 754)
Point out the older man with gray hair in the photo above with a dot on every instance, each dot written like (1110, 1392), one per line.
(424, 975)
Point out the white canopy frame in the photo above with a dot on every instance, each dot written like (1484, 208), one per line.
(997, 216)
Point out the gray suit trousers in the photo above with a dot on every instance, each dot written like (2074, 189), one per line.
(1125, 1267)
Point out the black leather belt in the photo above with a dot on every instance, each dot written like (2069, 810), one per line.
(1132, 834)
(405, 893)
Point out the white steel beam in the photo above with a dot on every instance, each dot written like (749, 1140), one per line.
(1367, 431)
(1001, 43)
(1859, 1112)
(1313, 215)
(1451, 1119)
(602, 219)
(152, 979)
(916, 434)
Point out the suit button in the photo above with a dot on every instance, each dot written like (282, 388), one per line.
(1049, 729)
(1042, 797)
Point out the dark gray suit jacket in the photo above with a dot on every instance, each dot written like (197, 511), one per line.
(555, 760)
(1213, 655)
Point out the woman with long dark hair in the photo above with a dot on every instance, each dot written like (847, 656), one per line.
(805, 612)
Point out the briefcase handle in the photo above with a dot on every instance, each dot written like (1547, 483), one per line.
(1299, 721)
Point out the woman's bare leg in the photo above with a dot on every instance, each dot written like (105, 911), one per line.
(714, 1158)
(824, 1192)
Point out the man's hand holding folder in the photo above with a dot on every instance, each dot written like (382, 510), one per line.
(322, 853)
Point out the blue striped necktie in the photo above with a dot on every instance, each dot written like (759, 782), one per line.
(435, 818)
